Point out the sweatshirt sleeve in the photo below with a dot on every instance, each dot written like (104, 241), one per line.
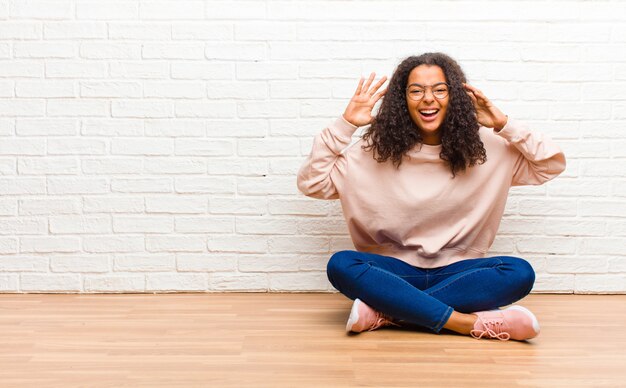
(539, 160)
(319, 174)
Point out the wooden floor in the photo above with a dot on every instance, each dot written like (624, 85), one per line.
(292, 340)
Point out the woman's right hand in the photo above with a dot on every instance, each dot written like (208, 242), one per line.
(359, 110)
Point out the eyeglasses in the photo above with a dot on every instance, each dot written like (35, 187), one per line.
(417, 92)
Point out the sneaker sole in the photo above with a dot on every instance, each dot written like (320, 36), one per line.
(354, 315)
(529, 313)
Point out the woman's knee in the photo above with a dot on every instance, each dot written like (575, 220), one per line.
(338, 262)
(524, 273)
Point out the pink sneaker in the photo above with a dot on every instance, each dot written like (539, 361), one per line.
(515, 322)
(363, 317)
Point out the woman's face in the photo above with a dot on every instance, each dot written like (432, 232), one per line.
(428, 112)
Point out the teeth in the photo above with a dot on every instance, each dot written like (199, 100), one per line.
(429, 111)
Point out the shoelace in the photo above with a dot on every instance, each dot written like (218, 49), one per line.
(383, 320)
(493, 328)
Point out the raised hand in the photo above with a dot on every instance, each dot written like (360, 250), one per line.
(359, 110)
(487, 114)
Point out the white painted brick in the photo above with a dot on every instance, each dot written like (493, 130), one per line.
(299, 207)
(44, 89)
(8, 166)
(252, 90)
(571, 228)
(605, 208)
(267, 185)
(20, 30)
(293, 244)
(139, 31)
(49, 205)
(176, 204)
(107, 10)
(24, 264)
(521, 226)
(502, 245)
(579, 187)
(239, 205)
(579, 32)
(266, 70)
(142, 146)
(204, 147)
(238, 243)
(267, 30)
(299, 89)
(244, 10)
(255, 109)
(23, 226)
(77, 108)
(26, 69)
(602, 246)
(171, 10)
(619, 188)
(140, 69)
(341, 244)
(235, 51)
(8, 207)
(7, 127)
(174, 89)
(19, 186)
(336, 69)
(172, 51)
(201, 70)
(177, 282)
(144, 262)
(341, 10)
(617, 149)
(30, 146)
(543, 207)
(146, 185)
(264, 263)
(143, 224)
(323, 226)
(237, 128)
(112, 127)
(6, 87)
(43, 50)
(80, 263)
(34, 9)
(50, 282)
(206, 262)
(24, 108)
(74, 30)
(73, 70)
(234, 281)
(80, 224)
(547, 91)
(554, 283)
(142, 109)
(266, 225)
(213, 185)
(298, 127)
(176, 165)
(77, 186)
(604, 168)
(8, 245)
(568, 265)
(298, 281)
(111, 243)
(115, 283)
(285, 166)
(239, 166)
(9, 282)
(580, 111)
(617, 264)
(47, 166)
(175, 243)
(106, 166)
(113, 205)
(175, 128)
(204, 224)
(580, 72)
(600, 284)
(46, 127)
(205, 109)
(321, 108)
(547, 245)
(49, 244)
(268, 147)
(202, 31)
(110, 89)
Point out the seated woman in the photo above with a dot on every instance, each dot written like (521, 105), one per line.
(423, 193)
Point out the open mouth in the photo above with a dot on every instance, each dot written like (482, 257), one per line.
(429, 113)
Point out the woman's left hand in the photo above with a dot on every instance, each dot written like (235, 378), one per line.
(487, 114)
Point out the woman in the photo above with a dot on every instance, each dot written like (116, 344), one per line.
(423, 193)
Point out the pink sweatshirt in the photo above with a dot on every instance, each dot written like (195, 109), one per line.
(419, 213)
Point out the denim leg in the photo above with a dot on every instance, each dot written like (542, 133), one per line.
(482, 284)
(380, 282)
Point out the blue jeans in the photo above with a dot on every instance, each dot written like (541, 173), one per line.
(428, 296)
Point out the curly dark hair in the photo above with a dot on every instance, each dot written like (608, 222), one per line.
(393, 132)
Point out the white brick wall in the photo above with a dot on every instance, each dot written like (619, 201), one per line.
(153, 145)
